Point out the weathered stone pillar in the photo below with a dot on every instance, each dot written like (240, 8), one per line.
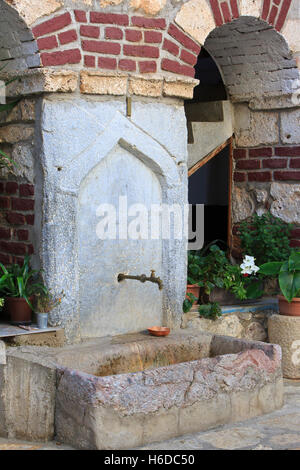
(90, 150)
(285, 331)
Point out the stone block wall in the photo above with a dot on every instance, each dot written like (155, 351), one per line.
(248, 322)
(267, 166)
(17, 45)
(17, 190)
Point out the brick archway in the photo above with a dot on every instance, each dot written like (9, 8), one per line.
(272, 11)
(111, 40)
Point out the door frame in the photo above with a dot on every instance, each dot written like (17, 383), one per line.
(210, 156)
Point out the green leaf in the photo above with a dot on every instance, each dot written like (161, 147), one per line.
(20, 283)
(254, 291)
(8, 106)
(271, 269)
(289, 284)
(294, 261)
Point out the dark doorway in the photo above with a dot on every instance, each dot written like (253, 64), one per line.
(211, 86)
(210, 186)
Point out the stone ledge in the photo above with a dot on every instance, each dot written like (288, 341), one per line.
(154, 85)
(99, 83)
(40, 81)
(281, 101)
(240, 321)
(94, 82)
(53, 339)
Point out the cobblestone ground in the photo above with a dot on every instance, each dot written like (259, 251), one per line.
(275, 431)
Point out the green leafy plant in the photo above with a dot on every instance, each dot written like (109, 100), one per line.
(210, 269)
(265, 237)
(211, 311)
(288, 273)
(20, 281)
(218, 272)
(189, 302)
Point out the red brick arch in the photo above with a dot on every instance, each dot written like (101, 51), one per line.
(273, 11)
(130, 43)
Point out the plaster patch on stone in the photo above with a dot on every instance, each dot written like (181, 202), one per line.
(291, 35)
(290, 127)
(23, 157)
(107, 3)
(250, 7)
(196, 18)
(242, 204)
(86, 2)
(261, 129)
(150, 7)
(32, 10)
(286, 204)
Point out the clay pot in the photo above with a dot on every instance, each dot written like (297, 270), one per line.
(19, 310)
(159, 331)
(193, 289)
(289, 309)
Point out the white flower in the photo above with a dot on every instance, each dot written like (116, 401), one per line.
(248, 266)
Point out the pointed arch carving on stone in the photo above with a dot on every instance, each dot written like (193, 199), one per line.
(62, 189)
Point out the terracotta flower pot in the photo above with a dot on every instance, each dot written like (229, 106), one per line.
(193, 289)
(289, 309)
(19, 310)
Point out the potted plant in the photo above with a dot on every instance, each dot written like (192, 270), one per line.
(17, 286)
(288, 273)
(220, 281)
(197, 272)
(44, 303)
(267, 238)
(193, 277)
(225, 282)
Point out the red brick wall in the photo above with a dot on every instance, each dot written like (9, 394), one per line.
(110, 41)
(267, 165)
(17, 219)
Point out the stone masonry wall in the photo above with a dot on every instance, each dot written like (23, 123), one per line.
(18, 49)
(17, 190)
(267, 165)
(255, 61)
(121, 37)
(109, 42)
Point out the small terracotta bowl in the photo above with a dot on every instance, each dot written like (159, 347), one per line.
(159, 331)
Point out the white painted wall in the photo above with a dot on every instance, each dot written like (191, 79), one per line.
(209, 135)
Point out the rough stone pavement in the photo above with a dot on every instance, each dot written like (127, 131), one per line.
(275, 431)
(279, 430)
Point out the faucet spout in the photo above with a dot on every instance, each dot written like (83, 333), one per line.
(143, 278)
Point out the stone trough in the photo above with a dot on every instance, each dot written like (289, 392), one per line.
(127, 391)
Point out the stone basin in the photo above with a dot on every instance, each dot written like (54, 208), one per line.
(127, 391)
